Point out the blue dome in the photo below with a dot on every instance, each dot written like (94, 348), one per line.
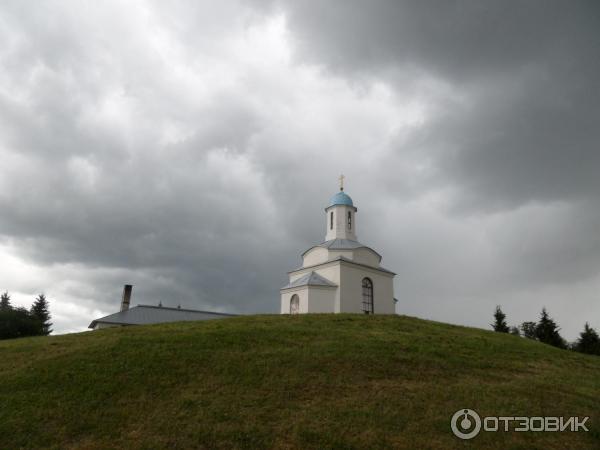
(341, 198)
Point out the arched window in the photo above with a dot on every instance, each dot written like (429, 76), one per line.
(331, 221)
(295, 304)
(349, 220)
(367, 295)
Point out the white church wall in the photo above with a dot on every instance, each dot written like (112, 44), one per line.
(340, 228)
(334, 254)
(287, 295)
(366, 256)
(100, 325)
(359, 255)
(321, 300)
(331, 272)
(315, 256)
(351, 290)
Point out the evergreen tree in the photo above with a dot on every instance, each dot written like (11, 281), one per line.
(5, 302)
(528, 329)
(588, 342)
(17, 322)
(547, 331)
(499, 324)
(515, 331)
(41, 313)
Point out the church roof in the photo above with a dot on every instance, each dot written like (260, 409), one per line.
(341, 244)
(344, 259)
(341, 198)
(147, 314)
(310, 279)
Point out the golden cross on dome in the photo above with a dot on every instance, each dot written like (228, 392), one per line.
(342, 182)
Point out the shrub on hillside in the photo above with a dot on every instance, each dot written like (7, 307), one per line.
(19, 322)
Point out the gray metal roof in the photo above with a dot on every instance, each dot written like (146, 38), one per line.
(348, 260)
(342, 244)
(147, 314)
(381, 269)
(310, 279)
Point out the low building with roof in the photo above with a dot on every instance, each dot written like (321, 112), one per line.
(340, 274)
(150, 314)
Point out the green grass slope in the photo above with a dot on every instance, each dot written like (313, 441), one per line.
(316, 381)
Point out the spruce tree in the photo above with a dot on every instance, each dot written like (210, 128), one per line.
(528, 329)
(499, 324)
(588, 342)
(5, 302)
(547, 331)
(41, 313)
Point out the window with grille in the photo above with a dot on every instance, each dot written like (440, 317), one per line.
(367, 295)
(349, 220)
(331, 221)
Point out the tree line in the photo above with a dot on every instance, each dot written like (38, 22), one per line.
(546, 330)
(18, 322)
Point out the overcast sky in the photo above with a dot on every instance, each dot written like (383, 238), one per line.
(189, 148)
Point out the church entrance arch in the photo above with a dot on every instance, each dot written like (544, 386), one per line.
(295, 304)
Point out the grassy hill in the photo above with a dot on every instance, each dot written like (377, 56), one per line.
(317, 381)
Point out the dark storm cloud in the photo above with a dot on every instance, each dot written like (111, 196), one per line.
(458, 39)
(526, 74)
(110, 161)
(512, 141)
(189, 149)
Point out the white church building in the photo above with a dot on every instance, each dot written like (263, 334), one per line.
(340, 275)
